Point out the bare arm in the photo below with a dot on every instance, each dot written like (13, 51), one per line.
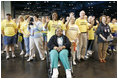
(67, 23)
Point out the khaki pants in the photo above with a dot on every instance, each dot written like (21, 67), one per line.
(72, 51)
(37, 43)
(82, 44)
(102, 50)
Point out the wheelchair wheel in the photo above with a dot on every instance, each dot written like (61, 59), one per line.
(49, 70)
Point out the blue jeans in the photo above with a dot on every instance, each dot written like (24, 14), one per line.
(26, 39)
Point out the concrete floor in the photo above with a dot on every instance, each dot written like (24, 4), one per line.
(91, 68)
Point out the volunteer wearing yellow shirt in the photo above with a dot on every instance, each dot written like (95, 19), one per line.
(113, 27)
(9, 29)
(90, 35)
(20, 24)
(72, 32)
(44, 33)
(83, 26)
(51, 25)
(26, 34)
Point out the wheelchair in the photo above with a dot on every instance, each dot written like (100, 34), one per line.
(48, 63)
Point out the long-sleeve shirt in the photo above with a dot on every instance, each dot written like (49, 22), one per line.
(36, 29)
(104, 30)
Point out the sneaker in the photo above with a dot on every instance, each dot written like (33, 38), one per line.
(22, 52)
(110, 50)
(46, 52)
(90, 53)
(114, 50)
(7, 56)
(55, 73)
(30, 58)
(68, 73)
(86, 57)
(13, 55)
(42, 59)
(26, 55)
(87, 54)
(74, 63)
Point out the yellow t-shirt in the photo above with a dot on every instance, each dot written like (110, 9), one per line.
(9, 27)
(82, 24)
(90, 33)
(21, 24)
(52, 26)
(24, 27)
(72, 32)
(113, 27)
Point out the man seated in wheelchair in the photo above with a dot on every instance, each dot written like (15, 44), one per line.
(59, 47)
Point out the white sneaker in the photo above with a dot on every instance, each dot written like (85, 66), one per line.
(90, 53)
(26, 55)
(74, 63)
(22, 52)
(13, 55)
(42, 59)
(30, 58)
(7, 56)
(110, 50)
(55, 73)
(86, 57)
(68, 73)
(114, 50)
(87, 54)
(46, 52)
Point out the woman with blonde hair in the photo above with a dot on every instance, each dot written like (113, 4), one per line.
(20, 34)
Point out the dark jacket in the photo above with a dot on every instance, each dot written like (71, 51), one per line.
(104, 30)
(53, 42)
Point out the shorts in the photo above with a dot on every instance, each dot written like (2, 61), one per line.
(114, 34)
(44, 37)
(8, 40)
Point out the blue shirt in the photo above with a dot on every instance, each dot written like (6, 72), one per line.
(35, 31)
(104, 30)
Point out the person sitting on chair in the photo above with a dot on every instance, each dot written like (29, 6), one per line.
(59, 47)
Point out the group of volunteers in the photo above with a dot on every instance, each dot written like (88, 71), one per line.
(61, 37)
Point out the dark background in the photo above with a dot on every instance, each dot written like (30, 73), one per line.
(42, 8)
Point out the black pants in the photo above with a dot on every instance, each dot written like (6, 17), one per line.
(90, 44)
